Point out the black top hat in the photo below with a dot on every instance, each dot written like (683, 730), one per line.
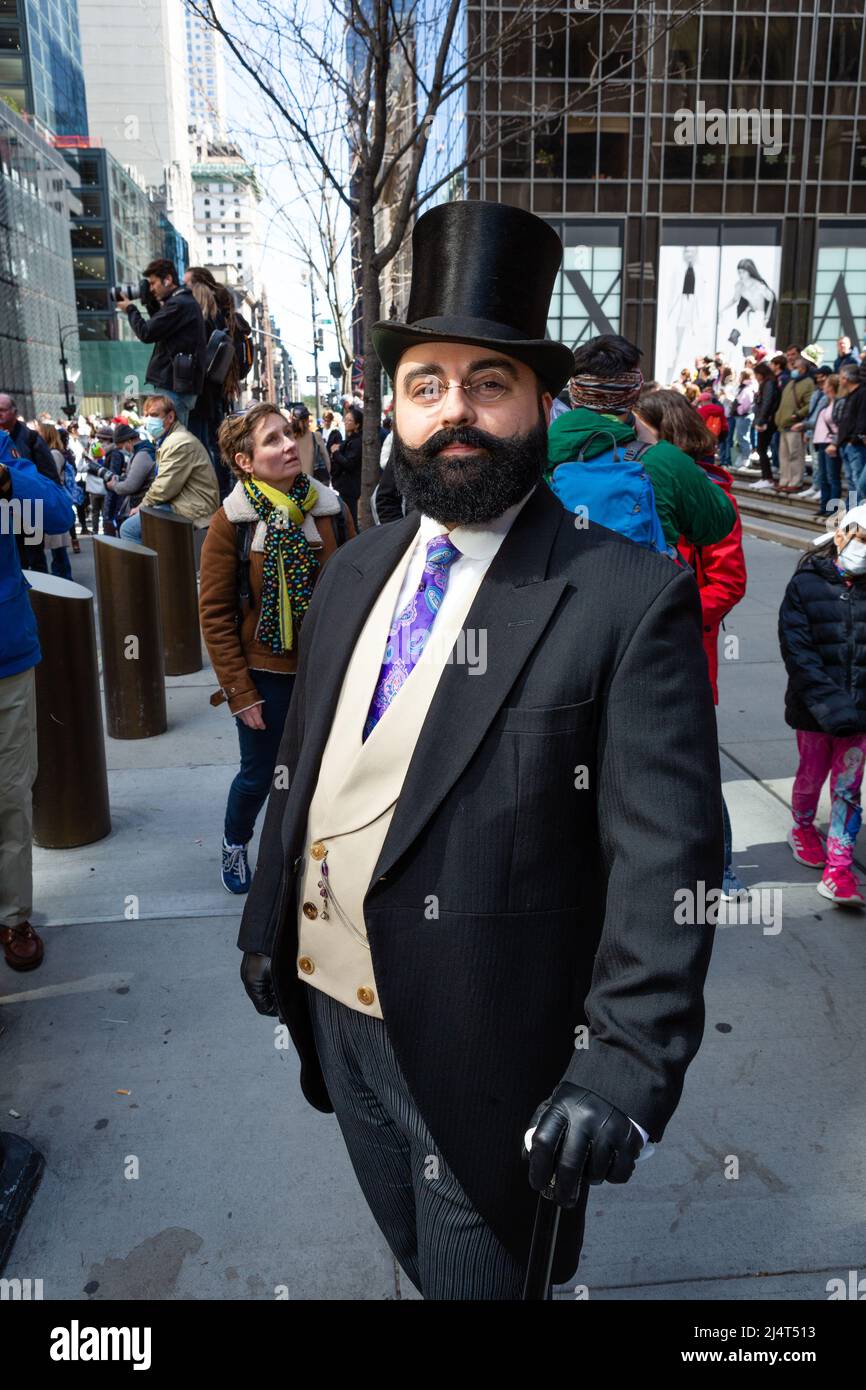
(482, 273)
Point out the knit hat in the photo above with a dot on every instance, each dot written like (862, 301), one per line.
(106, 434)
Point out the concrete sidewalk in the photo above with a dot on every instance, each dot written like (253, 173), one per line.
(135, 1041)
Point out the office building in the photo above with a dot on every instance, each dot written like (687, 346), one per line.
(206, 76)
(37, 294)
(41, 71)
(710, 193)
(227, 197)
(135, 69)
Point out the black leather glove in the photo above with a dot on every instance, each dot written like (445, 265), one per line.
(256, 975)
(580, 1135)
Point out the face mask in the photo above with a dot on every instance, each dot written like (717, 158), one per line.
(794, 376)
(853, 557)
(154, 427)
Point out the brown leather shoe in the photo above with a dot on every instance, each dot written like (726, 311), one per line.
(22, 948)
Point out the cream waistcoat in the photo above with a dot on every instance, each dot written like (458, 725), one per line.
(355, 796)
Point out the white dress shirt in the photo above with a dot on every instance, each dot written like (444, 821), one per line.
(478, 544)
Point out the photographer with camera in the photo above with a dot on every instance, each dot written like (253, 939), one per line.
(139, 470)
(175, 327)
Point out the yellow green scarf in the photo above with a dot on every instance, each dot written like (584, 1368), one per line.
(290, 563)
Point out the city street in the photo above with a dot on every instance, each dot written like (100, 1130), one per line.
(183, 1163)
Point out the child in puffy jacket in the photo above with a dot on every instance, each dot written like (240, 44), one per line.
(822, 634)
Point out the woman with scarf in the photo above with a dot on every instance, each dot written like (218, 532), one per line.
(264, 552)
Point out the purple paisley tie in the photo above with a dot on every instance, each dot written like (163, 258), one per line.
(411, 628)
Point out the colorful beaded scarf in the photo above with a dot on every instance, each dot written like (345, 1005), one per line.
(290, 562)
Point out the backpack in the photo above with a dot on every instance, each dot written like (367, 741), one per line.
(76, 493)
(244, 351)
(322, 471)
(615, 490)
(244, 532)
(219, 355)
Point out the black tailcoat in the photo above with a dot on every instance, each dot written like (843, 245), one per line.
(553, 807)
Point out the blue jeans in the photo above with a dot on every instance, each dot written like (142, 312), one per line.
(742, 439)
(729, 838)
(259, 747)
(130, 529)
(182, 404)
(774, 451)
(60, 562)
(828, 476)
(725, 449)
(855, 464)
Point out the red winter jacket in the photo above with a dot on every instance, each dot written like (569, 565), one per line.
(721, 574)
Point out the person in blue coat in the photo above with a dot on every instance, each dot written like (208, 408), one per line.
(31, 504)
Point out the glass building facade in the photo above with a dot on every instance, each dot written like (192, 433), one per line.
(40, 63)
(633, 164)
(37, 293)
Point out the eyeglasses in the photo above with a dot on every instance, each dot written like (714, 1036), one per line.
(482, 388)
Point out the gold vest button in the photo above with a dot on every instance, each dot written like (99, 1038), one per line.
(366, 996)
(306, 965)
(311, 911)
(318, 850)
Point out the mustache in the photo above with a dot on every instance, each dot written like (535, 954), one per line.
(460, 434)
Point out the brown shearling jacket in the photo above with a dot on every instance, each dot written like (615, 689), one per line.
(236, 654)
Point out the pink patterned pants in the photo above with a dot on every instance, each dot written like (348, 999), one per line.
(842, 758)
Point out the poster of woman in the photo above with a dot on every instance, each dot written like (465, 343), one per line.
(748, 300)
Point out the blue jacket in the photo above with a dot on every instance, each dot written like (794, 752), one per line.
(19, 644)
(819, 400)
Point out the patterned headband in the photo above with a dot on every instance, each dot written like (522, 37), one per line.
(615, 394)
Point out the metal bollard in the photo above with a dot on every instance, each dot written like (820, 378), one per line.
(172, 538)
(130, 636)
(70, 794)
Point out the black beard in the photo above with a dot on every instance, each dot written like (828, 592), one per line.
(469, 488)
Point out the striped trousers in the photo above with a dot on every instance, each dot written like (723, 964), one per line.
(435, 1233)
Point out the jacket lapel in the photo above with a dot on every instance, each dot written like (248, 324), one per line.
(511, 609)
(345, 614)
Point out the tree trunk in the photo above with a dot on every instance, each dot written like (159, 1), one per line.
(372, 369)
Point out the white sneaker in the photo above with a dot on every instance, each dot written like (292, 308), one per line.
(809, 495)
(761, 486)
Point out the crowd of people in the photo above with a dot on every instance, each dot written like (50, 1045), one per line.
(98, 473)
(800, 420)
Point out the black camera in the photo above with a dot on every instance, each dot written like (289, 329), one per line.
(139, 291)
(99, 470)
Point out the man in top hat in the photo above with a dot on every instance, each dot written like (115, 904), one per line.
(502, 768)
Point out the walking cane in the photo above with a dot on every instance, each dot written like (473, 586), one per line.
(543, 1245)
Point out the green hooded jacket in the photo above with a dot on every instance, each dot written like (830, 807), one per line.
(688, 502)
